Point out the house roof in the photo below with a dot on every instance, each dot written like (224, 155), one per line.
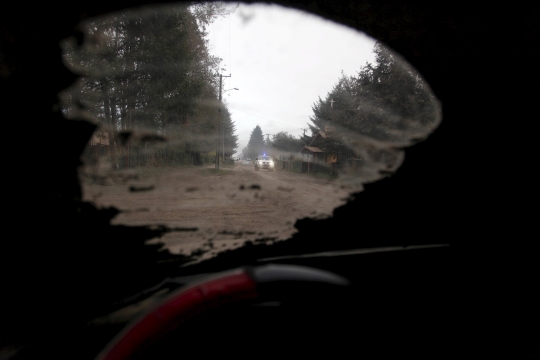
(320, 133)
(312, 149)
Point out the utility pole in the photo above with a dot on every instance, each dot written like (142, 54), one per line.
(219, 119)
(267, 139)
(267, 143)
(304, 135)
(332, 164)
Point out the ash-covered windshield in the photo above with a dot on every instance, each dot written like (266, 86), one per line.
(185, 96)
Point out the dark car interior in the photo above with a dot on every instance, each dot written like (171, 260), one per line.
(436, 261)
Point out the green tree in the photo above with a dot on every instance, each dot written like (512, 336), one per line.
(256, 144)
(230, 140)
(285, 144)
(151, 71)
(387, 100)
(334, 115)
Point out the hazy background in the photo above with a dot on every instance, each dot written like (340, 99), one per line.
(281, 60)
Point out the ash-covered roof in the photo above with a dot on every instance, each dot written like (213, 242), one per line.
(312, 149)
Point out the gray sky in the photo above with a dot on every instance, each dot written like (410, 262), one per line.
(281, 60)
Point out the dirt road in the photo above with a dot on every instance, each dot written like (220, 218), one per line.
(227, 207)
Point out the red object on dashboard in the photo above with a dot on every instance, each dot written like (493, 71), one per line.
(185, 304)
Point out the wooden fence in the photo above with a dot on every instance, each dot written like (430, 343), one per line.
(291, 165)
(317, 167)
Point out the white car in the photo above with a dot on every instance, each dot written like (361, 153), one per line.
(264, 162)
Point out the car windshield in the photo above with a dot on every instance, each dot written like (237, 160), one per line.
(178, 92)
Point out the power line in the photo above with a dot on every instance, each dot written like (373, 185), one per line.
(230, 59)
(303, 137)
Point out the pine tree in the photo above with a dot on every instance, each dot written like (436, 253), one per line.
(256, 143)
(230, 138)
(151, 71)
(286, 144)
(387, 100)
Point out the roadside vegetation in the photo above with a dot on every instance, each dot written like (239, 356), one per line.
(148, 81)
(363, 120)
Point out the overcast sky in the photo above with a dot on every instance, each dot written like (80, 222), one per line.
(281, 60)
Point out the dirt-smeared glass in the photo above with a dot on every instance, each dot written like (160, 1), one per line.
(169, 150)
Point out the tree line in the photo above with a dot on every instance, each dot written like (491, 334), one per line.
(386, 102)
(281, 144)
(148, 79)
